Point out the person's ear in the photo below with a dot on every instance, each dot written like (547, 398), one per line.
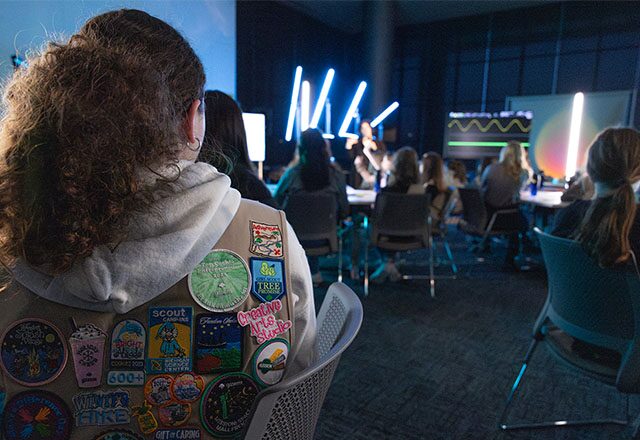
(191, 119)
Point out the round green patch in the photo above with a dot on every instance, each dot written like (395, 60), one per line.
(221, 282)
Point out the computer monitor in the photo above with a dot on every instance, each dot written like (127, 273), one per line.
(255, 127)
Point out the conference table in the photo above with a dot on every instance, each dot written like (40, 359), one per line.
(551, 199)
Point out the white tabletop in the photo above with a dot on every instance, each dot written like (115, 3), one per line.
(545, 199)
(360, 196)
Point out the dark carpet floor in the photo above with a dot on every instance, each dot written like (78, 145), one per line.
(424, 368)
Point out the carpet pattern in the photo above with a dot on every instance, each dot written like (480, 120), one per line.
(424, 368)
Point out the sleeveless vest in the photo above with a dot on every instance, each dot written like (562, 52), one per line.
(186, 365)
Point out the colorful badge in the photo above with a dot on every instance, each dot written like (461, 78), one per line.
(262, 322)
(178, 434)
(218, 343)
(102, 408)
(267, 275)
(269, 361)
(118, 434)
(157, 390)
(87, 344)
(33, 352)
(226, 404)
(169, 347)
(36, 415)
(266, 240)
(220, 282)
(174, 414)
(187, 387)
(146, 420)
(126, 363)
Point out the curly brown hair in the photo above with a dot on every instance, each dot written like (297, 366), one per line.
(79, 124)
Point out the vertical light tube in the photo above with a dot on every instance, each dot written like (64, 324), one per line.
(305, 103)
(574, 135)
(381, 117)
(352, 108)
(294, 103)
(324, 92)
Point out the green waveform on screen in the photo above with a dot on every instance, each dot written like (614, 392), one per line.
(481, 144)
(486, 128)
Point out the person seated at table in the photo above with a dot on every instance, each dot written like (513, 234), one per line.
(367, 155)
(580, 188)
(225, 147)
(480, 167)
(500, 185)
(405, 179)
(434, 181)
(608, 225)
(314, 172)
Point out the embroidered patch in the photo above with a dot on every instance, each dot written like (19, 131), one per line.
(226, 404)
(218, 343)
(262, 322)
(269, 361)
(187, 387)
(267, 279)
(266, 240)
(126, 362)
(146, 420)
(220, 282)
(36, 415)
(33, 352)
(87, 344)
(178, 434)
(157, 390)
(118, 434)
(169, 345)
(102, 408)
(174, 414)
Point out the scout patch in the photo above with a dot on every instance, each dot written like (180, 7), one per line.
(262, 322)
(87, 344)
(220, 282)
(169, 346)
(101, 408)
(226, 404)
(146, 420)
(269, 361)
(187, 387)
(266, 240)
(178, 434)
(126, 362)
(174, 414)
(36, 415)
(157, 390)
(267, 279)
(218, 343)
(33, 352)
(118, 434)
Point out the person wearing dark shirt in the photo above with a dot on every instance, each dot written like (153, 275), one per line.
(225, 147)
(367, 155)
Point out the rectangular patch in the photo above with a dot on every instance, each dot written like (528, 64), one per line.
(178, 434)
(102, 408)
(126, 361)
(169, 340)
(262, 322)
(218, 343)
(267, 279)
(266, 240)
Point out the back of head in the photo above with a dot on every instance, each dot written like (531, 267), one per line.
(511, 159)
(314, 160)
(433, 170)
(458, 170)
(405, 167)
(80, 123)
(226, 138)
(613, 166)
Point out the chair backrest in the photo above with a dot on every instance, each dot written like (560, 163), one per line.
(401, 215)
(290, 409)
(440, 215)
(589, 302)
(474, 213)
(313, 216)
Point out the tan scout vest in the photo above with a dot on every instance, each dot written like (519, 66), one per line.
(20, 304)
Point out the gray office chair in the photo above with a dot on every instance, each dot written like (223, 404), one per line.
(290, 409)
(400, 223)
(313, 216)
(595, 306)
(439, 230)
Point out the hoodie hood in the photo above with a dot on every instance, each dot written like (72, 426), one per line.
(186, 219)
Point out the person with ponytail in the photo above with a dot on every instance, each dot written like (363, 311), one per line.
(608, 225)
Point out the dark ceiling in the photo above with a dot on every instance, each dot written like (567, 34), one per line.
(347, 14)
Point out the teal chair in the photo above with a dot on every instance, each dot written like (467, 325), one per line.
(596, 306)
